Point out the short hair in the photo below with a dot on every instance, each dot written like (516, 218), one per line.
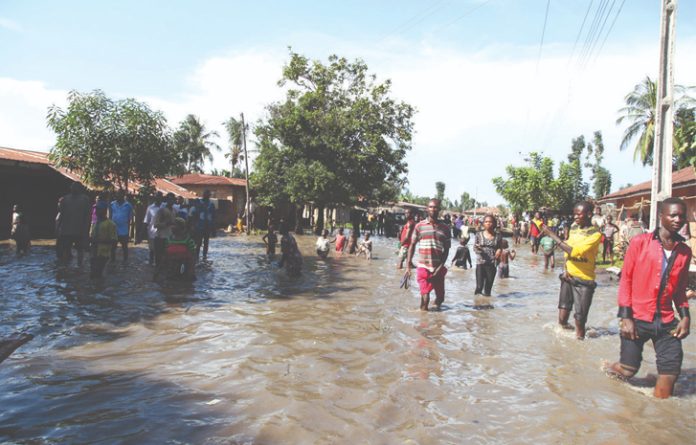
(586, 205)
(435, 200)
(672, 201)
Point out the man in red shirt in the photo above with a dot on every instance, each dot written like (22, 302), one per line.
(655, 274)
(405, 237)
(433, 239)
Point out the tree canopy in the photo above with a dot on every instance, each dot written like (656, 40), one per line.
(112, 141)
(194, 143)
(338, 137)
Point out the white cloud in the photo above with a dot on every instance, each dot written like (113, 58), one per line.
(477, 111)
(10, 25)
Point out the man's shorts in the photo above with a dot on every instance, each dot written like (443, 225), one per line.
(578, 293)
(668, 349)
(534, 239)
(427, 282)
(123, 239)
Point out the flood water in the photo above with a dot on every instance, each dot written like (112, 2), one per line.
(339, 355)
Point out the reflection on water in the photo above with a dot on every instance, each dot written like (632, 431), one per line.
(339, 355)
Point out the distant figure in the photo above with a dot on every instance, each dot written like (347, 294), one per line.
(73, 223)
(203, 223)
(352, 242)
(462, 256)
(516, 232)
(486, 244)
(578, 280)
(609, 231)
(340, 241)
(323, 244)
(20, 232)
(291, 257)
(270, 239)
(535, 231)
(365, 247)
(149, 221)
(121, 214)
(503, 256)
(104, 235)
(163, 223)
(405, 237)
(433, 240)
(548, 248)
(653, 280)
(179, 251)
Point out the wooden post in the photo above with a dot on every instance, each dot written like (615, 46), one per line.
(662, 151)
(246, 175)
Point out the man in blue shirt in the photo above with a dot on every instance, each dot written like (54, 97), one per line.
(203, 222)
(121, 215)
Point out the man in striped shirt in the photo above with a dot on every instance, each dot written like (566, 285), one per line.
(433, 239)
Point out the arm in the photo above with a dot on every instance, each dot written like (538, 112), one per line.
(626, 324)
(411, 250)
(513, 254)
(681, 302)
(561, 243)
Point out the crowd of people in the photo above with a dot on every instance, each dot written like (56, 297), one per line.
(653, 279)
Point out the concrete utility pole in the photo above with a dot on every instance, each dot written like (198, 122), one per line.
(246, 176)
(662, 151)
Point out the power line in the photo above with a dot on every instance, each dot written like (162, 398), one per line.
(595, 31)
(415, 20)
(543, 33)
(599, 34)
(455, 20)
(610, 29)
(582, 27)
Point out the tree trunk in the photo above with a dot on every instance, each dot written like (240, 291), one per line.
(298, 219)
(319, 226)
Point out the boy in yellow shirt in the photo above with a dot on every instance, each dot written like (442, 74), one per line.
(577, 281)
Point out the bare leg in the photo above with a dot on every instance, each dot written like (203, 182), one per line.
(563, 316)
(580, 330)
(664, 386)
(425, 300)
(617, 370)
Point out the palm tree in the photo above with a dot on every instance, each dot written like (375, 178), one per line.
(194, 143)
(234, 131)
(639, 113)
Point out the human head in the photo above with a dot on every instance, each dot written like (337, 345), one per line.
(159, 197)
(340, 230)
(489, 222)
(609, 218)
(505, 244)
(15, 208)
(537, 215)
(408, 213)
(206, 195)
(324, 233)
(170, 199)
(672, 214)
(434, 208)
(367, 236)
(270, 228)
(464, 241)
(180, 200)
(100, 210)
(75, 188)
(582, 213)
(179, 228)
(120, 195)
(283, 229)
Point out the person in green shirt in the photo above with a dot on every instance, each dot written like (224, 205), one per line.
(548, 248)
(102, 238)
(577, 281)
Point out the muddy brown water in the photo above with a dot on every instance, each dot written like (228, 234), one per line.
(339, 355)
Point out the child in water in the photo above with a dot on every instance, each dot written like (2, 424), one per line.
(504, 255)
(20, 232)
(103, 237)
(291, 257)
(463, 255)
(548, 247)
(270, 239)
(340, 241)
(323, 243)
(180, 250)
(352, 242)
(365, 247)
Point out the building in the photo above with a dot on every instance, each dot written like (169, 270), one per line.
(230, 193)
(28, 179)
(636, 199)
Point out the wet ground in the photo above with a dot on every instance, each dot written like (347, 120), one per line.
(339, 355)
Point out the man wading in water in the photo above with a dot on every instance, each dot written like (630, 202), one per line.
(433, 239)
(577, 282)
(655, 274)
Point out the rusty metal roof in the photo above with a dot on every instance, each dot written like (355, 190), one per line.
(37, 157)
(202, 179)
(680, 178)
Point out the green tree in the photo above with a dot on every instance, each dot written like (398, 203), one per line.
(467, 201)
(338, 136)
(528, 187)
(407, 196)
(639, 114)
(194, 143)
(601, 177)
(112, 142)
(440, 187)
(685, 138)
(234, 133)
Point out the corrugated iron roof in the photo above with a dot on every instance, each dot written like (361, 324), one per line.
(37, 157)
(203, 179)
(679, 178)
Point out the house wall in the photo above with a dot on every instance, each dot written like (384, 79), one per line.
(687, 193)
(36, 188)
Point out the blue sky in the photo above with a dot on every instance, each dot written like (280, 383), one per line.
(471, 68)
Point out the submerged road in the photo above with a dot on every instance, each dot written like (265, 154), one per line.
(339, 355)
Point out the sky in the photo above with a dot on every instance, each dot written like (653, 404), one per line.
(490, 82)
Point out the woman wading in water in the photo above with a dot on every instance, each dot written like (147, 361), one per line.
(486, 244)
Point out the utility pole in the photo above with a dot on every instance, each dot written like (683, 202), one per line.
(664, 102)
(246, 176)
